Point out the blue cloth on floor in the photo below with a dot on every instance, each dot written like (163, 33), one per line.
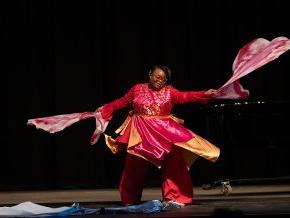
(29, 209)
(153, 206)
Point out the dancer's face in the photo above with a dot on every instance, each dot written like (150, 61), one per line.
(157, 79)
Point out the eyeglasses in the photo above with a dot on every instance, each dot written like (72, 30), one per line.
(158, 78)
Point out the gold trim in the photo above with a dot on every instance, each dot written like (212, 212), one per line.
(188, 156)
(124, 125)
(134, 138)
(201, 147)
(114, 146)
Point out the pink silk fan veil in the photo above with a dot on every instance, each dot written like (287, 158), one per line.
(59, 122)
(251, 56)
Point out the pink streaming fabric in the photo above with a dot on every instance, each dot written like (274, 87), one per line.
(57, 123)
(250, 57)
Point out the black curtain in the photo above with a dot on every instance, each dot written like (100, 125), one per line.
(63, 57)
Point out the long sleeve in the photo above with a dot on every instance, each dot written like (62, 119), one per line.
(180, 97)
(109, 108)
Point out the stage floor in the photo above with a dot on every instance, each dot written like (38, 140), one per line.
(244, 201)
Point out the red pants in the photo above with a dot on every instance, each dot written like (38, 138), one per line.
(176, 181)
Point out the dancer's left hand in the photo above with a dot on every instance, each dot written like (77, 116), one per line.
(210, 92)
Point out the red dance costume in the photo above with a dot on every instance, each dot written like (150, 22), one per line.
(152, 134)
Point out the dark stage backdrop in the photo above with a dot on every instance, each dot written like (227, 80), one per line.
(63, 57)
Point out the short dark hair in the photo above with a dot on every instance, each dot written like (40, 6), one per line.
(165, 69)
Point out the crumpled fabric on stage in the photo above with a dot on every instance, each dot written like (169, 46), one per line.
(153, 206)
(29, 209)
